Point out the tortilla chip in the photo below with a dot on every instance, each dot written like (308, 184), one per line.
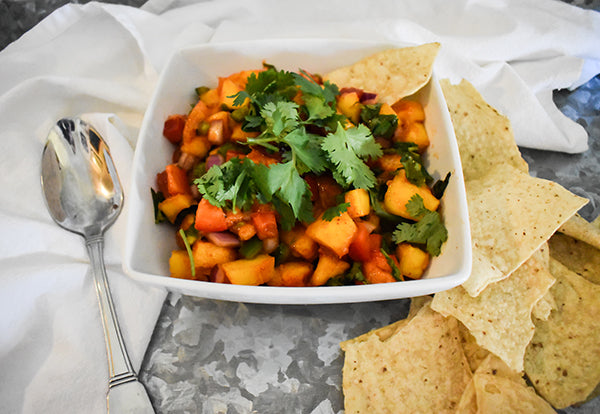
(500, 317)
(468, 401)
(512, 215)
(420, 368)
(544, 307)
(392, 74)
(417, 303)
(580, 229)
(497, 394)
(493, 365)
(485, 138)
(576, 255)
(563, 359)
(474, 353)
(382, 333)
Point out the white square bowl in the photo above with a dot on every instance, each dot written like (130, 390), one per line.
(148, 246)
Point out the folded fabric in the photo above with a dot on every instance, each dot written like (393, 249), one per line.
(104, 60)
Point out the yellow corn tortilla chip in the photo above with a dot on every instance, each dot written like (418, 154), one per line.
(420, 368)
(512, 215)
(497, 394)
(512, 384)
(392, 74)
(563, 359)
(468, 401)
(577, 255)
(474, 353)
(382, 333)
(545, 305)
(580, 229)
(492, 365)
(484, 136)
(500, 317)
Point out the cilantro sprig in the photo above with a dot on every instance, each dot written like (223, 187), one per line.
(348, 149)
(428, 230)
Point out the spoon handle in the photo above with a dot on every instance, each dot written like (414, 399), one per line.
(120, 369)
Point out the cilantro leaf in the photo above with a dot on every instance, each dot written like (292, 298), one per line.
(319, 100)
(413, 163)
(353, 276)
(346, 150)
(231, 184)
(396, 273)
(335, 211)
(307, 150)
(285, 182)
(428, 230)
(381, 125)
(439, 187)
(157, 198)
(280, 117)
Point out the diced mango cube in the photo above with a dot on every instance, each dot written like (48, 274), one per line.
(360, 204)
(210, 97)
(255, 271)
(227, 89)
(412, 261)
(179, 264)
(300, 244)
(349, 105)
(207, 254)
(409, 111)
(414, 132)
(336, 234)
(173, 205)
(327, 267)
(293, 274)
(400, 191)
(386, 109)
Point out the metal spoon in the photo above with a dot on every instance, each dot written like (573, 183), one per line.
(84, 195)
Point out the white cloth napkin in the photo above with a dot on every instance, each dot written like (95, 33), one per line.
(104, 60)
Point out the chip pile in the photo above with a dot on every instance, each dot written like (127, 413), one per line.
(522, 334)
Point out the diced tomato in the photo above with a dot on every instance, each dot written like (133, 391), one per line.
(377, 270)
(265, 223)
(360, 249)
(311, 180)
(161, 182)
(173, 128)
(260, 158)
(177, 181)
(234, 154)
(210, 218)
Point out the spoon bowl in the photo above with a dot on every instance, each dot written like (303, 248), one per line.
(79, 180)
(84, 195)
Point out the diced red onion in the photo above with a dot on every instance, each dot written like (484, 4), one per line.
(216, 132)
(214, 159)
(186, 161)
(223, 239)
(370, 226)
(217, 275)
(367, 97)
(270, 244)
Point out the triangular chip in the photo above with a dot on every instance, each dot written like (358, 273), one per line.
(512, 215)
(392, 74)
(500, 317)
(580, 229)
(420, 368)
(563, 359)
(578, 256)
(497, 394)
(485, 138)
(545, 305)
